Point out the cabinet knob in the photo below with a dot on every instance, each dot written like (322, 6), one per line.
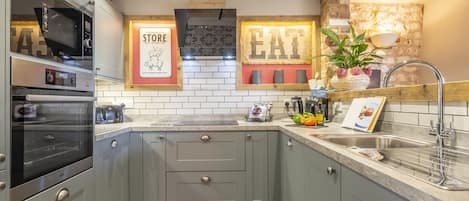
(114, 144)
(205, 138)
(3, 157)
(330, 171)
(3, 185)
(206, 179)
(161, 137)
(290, 143)
(249, 137)
(63, 194)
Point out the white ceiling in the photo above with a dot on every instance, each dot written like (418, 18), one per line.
(244, 7)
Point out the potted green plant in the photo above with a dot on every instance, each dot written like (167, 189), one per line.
(351, 59)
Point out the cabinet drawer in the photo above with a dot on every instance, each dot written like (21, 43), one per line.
(79, 188)
(205, 151)
(205, 186)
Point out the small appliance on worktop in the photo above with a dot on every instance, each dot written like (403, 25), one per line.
(109, 114)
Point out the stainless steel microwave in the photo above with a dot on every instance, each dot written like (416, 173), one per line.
(56, 30)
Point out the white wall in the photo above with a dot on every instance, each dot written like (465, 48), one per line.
(445, 38)
(244, 7)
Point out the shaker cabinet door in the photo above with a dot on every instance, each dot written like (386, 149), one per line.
(322, 177)
(257, 166)
(292, 170)
(108, 41)
(154, 167)
(112, 169)
(358, 188)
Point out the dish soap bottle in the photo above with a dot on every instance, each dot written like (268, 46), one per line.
(319, 115)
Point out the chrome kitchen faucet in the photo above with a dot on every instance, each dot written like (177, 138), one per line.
(439, 131)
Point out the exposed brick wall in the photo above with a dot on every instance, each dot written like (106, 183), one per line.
(408, 17)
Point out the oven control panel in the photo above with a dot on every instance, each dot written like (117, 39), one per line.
(60, 78)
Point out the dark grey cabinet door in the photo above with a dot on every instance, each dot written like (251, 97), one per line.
(154, 167)
(257, 166)
(205, 151)
(112, 169)
(80, 188)
(206, 186)
(292, 170)
(321, 184)
(358, 188)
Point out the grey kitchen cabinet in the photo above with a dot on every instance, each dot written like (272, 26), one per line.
(78, 188)
(3, 85)
(257, 187)
(3, 185)
(205, 151)
(206, 186)
(358, 188)
(154, 167)
(292, 170)
(108, 41)
(112, 168)
(136, 167)
(323, 177)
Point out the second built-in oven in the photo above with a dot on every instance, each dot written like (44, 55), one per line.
(52, 126)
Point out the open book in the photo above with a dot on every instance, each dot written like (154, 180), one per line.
(363, 113)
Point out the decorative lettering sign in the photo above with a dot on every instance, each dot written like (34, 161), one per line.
(155, 52)
(276, 42)
(26, 38)
(153, 61)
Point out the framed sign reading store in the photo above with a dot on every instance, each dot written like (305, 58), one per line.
(153, 60)
(269, 45)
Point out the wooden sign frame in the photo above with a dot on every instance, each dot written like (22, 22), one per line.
(315, 51)
(130, 22)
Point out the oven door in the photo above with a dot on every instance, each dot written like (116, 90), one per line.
(52, 138)
(53, 30)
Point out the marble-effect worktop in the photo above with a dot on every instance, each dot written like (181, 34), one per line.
(402, 184)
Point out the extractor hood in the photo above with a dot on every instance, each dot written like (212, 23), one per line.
(206, 33)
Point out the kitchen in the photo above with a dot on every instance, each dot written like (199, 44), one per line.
(139, 100)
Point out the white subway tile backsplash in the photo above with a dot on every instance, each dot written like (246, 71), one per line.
(215, 63)
(227, 105)
(139, 106)
(191, 69)
(198, 99)
(203, 111)
(216, 99)
(192, 87)
(227, 69)
(461, 123)
(209, 69)
(208, 87)
(221, 75)
(112, 93)
(453, 108)
(257, 93)
(185, 93)
(185, 111)
(172, 105)
(149, 93)
(420, 107)
(166, 111)
(192, 63)
(425, 119)
(215, 81)
(179, 99)
(209, 105)
(393, 107)
(251, 98)
(167, 93)
(149, 112)
(160, 99)
(142, 99)
(221, 93)
(191, 105)
(406, 118)
(197, 81)
(239, 93)
(131, 93)
(233, 98)
(202, 75)
(155, 105)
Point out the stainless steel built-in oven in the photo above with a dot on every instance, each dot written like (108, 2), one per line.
(54, 30)
(52, 126)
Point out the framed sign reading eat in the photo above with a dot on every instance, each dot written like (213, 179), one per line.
(277, 52)
(153, 60)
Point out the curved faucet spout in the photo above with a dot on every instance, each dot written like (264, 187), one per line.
(441, 80)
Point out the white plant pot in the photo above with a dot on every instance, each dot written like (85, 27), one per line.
(350, 82)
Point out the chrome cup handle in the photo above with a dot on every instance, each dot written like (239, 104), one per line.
(205, 138)
(206, 179)
(63, 194)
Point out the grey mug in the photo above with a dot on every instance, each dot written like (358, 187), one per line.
(256, 77)
(278, 76)
(301, 76)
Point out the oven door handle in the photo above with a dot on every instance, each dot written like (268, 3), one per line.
(51, 98)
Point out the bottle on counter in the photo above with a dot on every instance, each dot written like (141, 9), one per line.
(319, 114)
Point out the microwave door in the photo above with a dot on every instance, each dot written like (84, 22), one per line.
(62, 31)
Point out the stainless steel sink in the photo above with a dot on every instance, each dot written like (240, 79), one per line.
(380, 142)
